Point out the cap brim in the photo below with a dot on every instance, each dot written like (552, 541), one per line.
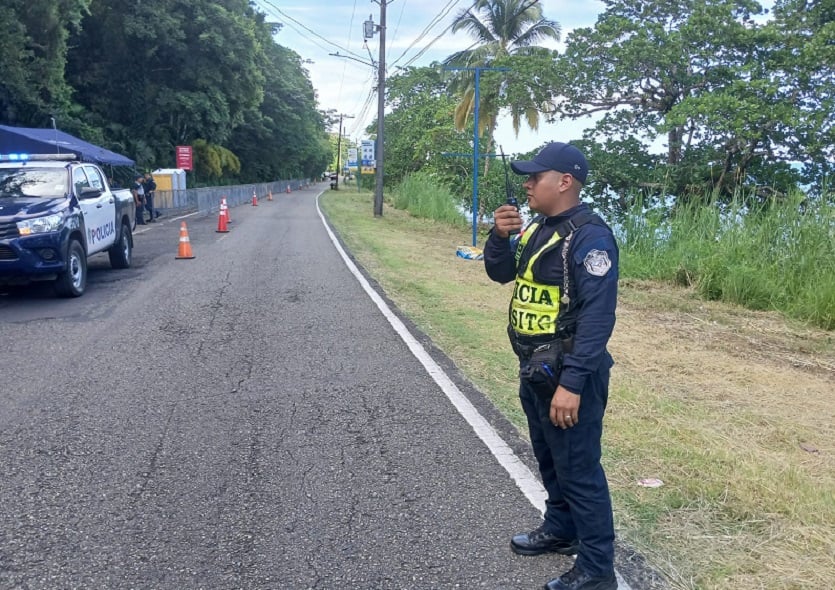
(527, 167)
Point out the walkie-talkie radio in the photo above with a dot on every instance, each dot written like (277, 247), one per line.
(511, 198)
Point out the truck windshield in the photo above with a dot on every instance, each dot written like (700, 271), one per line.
(44, 183)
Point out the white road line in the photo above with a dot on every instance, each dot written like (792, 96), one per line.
(525, 480)
(147, 229)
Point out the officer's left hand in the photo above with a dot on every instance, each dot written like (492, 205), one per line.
(565, 408)
(506, 219)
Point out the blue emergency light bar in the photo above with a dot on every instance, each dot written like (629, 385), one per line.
(34, 157)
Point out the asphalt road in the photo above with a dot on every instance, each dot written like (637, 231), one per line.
(245, 419)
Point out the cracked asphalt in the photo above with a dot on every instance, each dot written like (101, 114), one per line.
(247, 419)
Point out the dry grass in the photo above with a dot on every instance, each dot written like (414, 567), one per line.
(732, 409)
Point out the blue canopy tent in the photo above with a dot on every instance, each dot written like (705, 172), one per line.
(16, 140)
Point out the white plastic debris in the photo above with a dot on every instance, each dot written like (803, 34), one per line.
(650, 482)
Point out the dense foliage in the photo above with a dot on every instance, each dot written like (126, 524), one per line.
(420, 138)
(696, 100)
(743, 104)
(143, 77)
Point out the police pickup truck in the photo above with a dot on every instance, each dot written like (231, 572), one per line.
(55, 212)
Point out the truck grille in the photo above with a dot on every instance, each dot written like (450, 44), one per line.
(8, 230)
(7, 253)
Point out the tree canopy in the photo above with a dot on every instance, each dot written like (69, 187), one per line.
(421, 138)
(737, 99)
(701, 99)
(33, 52)
(143, 77)
(741, 100)
(502, 29)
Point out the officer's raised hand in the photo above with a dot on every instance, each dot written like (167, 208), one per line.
(507, 221)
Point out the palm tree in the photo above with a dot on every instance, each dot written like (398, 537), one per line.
(502, 28)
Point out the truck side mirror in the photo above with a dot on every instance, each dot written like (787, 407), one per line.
(90, 192)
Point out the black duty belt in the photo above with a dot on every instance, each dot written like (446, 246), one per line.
(525, 346)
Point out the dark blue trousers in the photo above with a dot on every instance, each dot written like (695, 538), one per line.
(578, 504)
(140, 215)
(149, 205)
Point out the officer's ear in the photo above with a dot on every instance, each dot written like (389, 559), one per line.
(566, 182)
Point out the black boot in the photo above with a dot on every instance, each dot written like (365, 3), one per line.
(539, 541)
(577, 579)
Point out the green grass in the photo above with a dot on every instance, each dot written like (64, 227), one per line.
(423, 196)
(779, 255)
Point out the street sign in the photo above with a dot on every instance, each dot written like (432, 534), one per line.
(368, 153)
(184, 157)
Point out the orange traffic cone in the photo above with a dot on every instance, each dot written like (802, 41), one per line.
(288, 189)
(221, 219)
(270, 196)
(226, 208)
(184, 250)
(254, 199)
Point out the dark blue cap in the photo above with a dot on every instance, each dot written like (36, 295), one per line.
(558, 156)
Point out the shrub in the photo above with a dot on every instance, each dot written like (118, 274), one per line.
(423, 196)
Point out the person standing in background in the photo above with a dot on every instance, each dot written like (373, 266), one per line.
(150, 192)
(138, 192)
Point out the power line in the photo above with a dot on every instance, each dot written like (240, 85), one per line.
(345, 65)
(420, 53)
(432, 23)
(363, 112)
(301, 33)
(399, 18)
(306, 28)
(435, 20)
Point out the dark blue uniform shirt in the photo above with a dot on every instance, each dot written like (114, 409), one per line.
(593, 264)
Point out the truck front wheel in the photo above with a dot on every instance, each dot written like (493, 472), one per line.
(73, 281)
(120, 252)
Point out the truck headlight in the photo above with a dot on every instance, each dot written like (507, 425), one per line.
(41, 225)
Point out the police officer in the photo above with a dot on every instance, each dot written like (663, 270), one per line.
(562, 312)
(150, 188)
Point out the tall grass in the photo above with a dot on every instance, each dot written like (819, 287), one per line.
(423, 196)
(777, 256)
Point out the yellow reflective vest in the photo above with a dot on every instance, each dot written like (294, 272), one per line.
(534, 306)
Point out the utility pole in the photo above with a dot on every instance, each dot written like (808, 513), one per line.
(339, 149)
(477, 71)
(381, 103)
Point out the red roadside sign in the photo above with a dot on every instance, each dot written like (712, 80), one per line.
(184, 157)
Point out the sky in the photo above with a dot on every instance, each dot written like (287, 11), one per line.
(317, 28)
